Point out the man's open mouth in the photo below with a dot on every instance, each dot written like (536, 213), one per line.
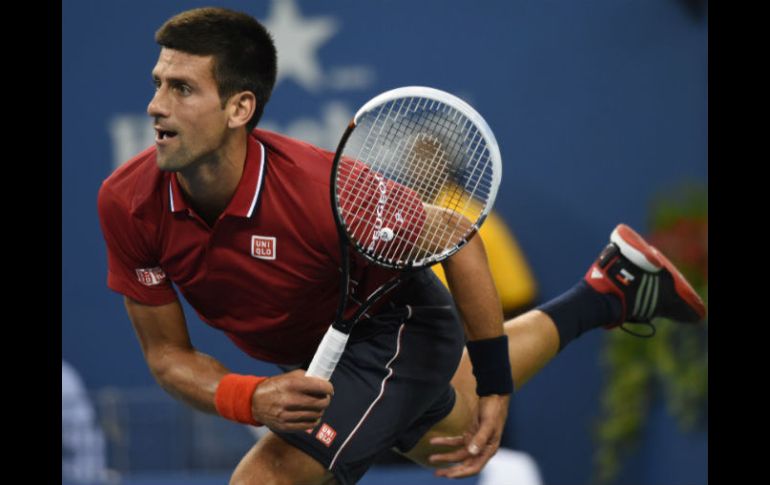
(165, 134)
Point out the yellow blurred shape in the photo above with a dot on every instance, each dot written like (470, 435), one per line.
(510, 270)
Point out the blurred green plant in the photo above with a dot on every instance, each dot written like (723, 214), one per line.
(672, 365)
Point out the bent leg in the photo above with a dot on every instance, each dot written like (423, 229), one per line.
(272, 461)
(533, 341)
(630, 281)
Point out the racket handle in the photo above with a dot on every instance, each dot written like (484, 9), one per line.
(328, 354)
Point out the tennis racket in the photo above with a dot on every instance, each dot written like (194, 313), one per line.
(414, 176)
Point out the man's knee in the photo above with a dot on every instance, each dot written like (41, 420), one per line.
(454, 424)
(272, 461)
(262, 465)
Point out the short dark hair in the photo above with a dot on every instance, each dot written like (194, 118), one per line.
(243, 50)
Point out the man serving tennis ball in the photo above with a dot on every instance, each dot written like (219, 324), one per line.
(238, 218)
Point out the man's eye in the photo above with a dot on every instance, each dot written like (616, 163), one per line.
(184, 89)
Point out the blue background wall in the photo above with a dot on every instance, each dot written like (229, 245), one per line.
(597, 105)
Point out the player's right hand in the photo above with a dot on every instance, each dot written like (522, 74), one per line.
(291, 401)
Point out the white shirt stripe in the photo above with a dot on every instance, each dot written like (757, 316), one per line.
(259, 181)
(171, 195)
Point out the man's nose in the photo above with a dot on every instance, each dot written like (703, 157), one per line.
(158, 106)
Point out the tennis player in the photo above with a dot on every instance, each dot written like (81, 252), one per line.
(239, 220)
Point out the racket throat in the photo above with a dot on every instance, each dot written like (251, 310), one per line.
(377, 295)
(344, 283)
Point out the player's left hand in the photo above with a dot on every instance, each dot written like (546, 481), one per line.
(478, 444)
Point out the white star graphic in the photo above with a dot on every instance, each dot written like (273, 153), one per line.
(297, 41)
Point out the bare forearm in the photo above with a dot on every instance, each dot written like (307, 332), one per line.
(474, 291)
(188, 375)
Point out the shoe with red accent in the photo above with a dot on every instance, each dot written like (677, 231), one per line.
(646, 282)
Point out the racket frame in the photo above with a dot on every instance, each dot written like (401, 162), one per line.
(334, 341)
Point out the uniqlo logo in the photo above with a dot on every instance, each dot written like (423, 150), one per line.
(150, 276)
(326, 434)
(263, 247)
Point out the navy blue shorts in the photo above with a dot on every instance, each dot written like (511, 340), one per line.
(392, 382)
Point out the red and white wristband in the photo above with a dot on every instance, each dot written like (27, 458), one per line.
(233, 397)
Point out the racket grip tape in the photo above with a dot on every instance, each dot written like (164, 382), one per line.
(328, 354)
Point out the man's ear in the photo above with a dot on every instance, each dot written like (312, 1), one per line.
(240, 107)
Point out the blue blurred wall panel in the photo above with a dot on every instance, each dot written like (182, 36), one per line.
(597, 107)
(376, 476)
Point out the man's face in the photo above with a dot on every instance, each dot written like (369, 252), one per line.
(190, 124)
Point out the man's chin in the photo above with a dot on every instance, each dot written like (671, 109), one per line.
(165, 165)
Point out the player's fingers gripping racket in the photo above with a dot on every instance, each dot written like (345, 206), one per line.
(414, 176)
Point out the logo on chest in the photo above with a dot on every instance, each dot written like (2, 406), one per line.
(263, 247)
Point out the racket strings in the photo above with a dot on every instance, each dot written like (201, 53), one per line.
(448, 234)
(415, 154)
(452, 234)
(419, 166)
(445, 232)
(442, 236)
(374, 150)
(425, 170)
(429, 166)
(374, 153)
(400, 245)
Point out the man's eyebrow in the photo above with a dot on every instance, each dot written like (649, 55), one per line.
(175, 79)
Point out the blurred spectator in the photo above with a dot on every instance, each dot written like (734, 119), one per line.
(510, 467)
(83, 452)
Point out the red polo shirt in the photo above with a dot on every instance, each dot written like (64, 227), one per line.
(267, 272)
